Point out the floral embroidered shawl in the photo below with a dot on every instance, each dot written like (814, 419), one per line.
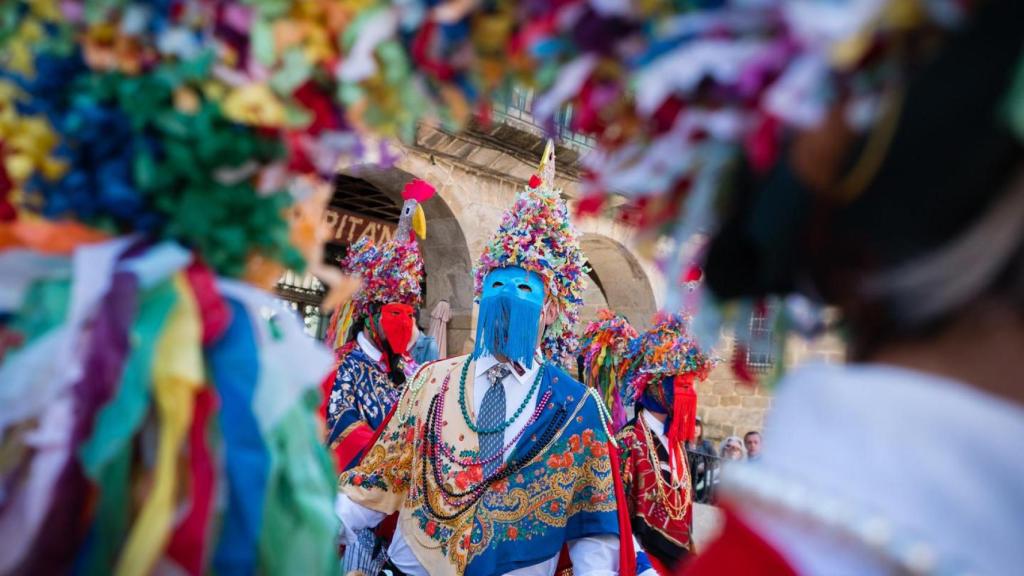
(563, 491)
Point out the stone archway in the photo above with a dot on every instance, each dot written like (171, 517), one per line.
(617, 281)
(445, 251)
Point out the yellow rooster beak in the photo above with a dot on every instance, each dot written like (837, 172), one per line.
(419, 222)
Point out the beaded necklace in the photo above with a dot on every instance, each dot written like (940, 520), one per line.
(446, 451)
(606, 418)
(405, 401)
(477, 492)
(500, 427)
(668, 494)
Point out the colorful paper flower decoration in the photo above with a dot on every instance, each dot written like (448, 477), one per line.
(666, 349)
(536, 234)
(604, 346)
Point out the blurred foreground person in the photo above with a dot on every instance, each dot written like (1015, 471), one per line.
(915, 232)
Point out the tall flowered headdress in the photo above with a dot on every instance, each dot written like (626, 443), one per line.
(391, 271)
(536, 234)
(604, 345)
(665, 364)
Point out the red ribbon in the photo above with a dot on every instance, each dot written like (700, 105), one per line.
(420, 47)
(627, 555)
(684, 416)
(187, 546)
(213, 310)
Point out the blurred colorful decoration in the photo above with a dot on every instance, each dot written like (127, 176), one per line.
(604, 345)
(179, 119)
(536, 234)
(160, 416)
(156, 418)
(188, 114)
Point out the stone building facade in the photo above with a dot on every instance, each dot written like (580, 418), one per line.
(730, 407)
(477, 173)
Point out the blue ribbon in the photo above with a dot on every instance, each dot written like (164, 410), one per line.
(234, 365)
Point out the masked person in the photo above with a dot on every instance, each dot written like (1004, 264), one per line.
(497, 460)
(374, 363)
(664, 366)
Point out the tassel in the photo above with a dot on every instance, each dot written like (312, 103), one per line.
(507, 326)
(684, 415)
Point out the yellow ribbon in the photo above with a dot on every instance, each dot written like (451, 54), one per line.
(177, 376)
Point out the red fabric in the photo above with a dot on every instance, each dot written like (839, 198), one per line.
(642, 478)
(484, 112)
(589, 205)
(658, 566)
(325, 394)
(396, 321)
(564, 562)
(627, 555)
(684, 411)
(187, 543)
(361, 437)
(213, 310)
(325, 113)
(693, 274)
(739, 365)
(738, 551)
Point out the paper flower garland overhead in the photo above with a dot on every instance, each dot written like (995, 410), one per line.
(179, 119)
(253, 91)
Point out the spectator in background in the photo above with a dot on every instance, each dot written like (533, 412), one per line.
(752, 442)
(702, 459)
(732, 449)
(699, 444)
(425, 349)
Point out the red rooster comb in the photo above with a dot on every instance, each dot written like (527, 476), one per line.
(418, 190)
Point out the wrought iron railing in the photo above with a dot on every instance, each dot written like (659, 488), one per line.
(705, 471)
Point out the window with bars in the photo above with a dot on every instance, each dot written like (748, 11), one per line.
(761, 349)
(519, 105)
(303, 294)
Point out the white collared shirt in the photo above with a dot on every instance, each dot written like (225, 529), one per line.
(517, 387)
(656, 426)
(591, 556)
(366, 345)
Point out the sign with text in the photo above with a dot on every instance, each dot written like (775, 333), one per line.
(346, 227)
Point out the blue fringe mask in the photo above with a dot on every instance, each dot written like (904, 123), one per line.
(510, 311)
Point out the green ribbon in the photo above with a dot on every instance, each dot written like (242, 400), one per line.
(299, 525)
